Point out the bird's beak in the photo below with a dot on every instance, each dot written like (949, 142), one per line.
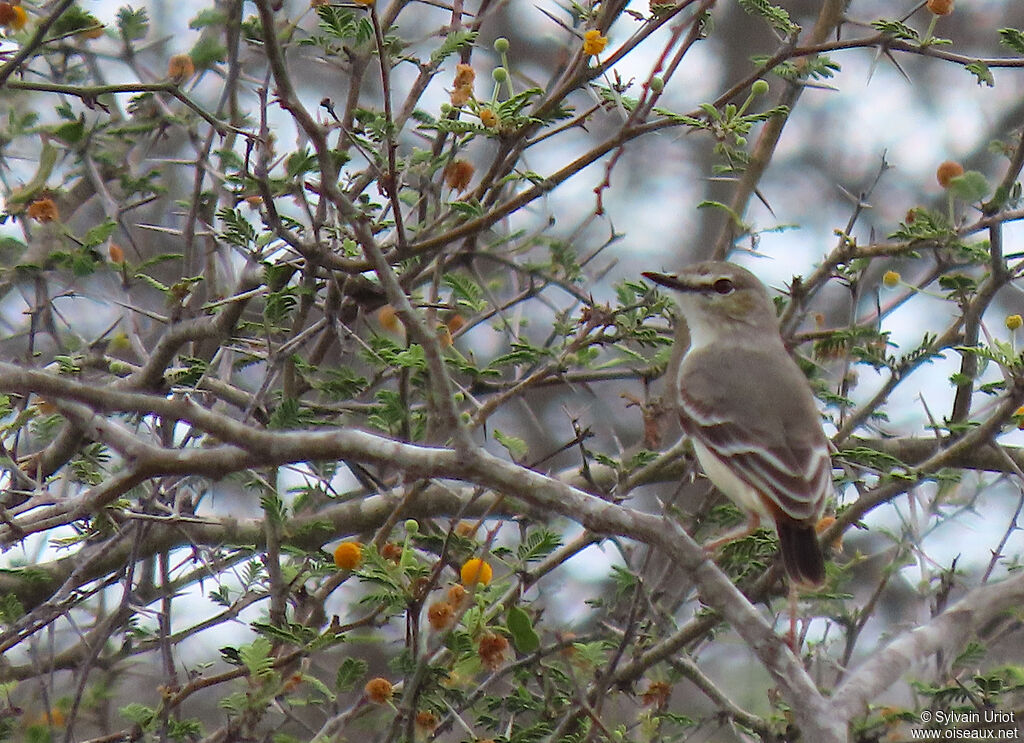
(667, 280)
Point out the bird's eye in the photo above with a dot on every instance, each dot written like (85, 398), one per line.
(723, 286)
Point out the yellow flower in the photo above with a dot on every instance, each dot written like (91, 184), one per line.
(594, 42)
(348, 555)
(475, 570)
(1014, 321)
(891, 279)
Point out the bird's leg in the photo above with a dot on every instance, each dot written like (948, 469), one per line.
(791, 638)
(752, 525)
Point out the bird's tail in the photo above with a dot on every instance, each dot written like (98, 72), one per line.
(801, 552)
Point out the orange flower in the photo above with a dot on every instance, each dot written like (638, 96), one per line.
(441, 615)
(379, 690)
(940, 7)
(593, 42)
(947, 172)
(457, 595)
(180, 68)
(488, 118)
(492, 648)
(391, 551)
(464, 77)
(474, 571)
(348, 555)
(44, 210)
(426, 721)
(13, 16)
(657, 694)
(465, 529)
(458, 173)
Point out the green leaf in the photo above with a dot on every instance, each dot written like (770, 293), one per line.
(896, 29)
(1012, 38)
(336, 21)
(207, 51)
(452, 43)
(208, 17)
(515, 446)
(133, 24)
(970, 186)
(256, 657)
(981, 71)
(538, 545)
(467, 209)
(100, 233)
(350, 672)
(73, 19)
(236, 228)
(274, 507)
(524, 637)
(776, 17)
(140, 714)
(467, 292)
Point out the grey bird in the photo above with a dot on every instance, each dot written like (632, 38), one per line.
(749, 410)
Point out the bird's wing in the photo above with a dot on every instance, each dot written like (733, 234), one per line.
(761, 423)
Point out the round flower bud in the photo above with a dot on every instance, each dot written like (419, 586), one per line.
(379, 690)
(940, 7)
(474, 571)
(760, 87)
(501, 45)
(348, 555)
(426, 721)
(488, 118)
(412, 526)
(1013, 322)
(457, 595)
(657, 84)
(491, 649)
(891, 279)
(441, 615)
(43, 210)
(500, 75)
(947, 171)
